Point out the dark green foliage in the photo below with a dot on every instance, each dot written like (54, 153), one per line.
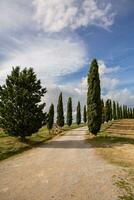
(111, 110)
(60, 112)
(133, 113)
(94, 108)
(121, 112)
(69, 112)
(108, 110)
(78, 115)
(85, 114)
(103, 111)
(20, 108)
(118, 111)
(125, 115)
(114, 111)
(50, 120)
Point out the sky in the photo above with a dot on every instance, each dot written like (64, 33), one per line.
(59, 38)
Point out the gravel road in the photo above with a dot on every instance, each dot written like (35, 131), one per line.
(65, 168)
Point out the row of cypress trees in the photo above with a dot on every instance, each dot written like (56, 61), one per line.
(112, 110)
(60, 113)
(22, 110)
(99, 112)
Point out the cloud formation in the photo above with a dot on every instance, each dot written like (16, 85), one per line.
(57, 15)
(50, 57)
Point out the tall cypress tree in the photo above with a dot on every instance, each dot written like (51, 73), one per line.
(94, 110)
(118, 111)
(69, 112)
(114, 111)
(85, 114)
(111, 110)
(121, 112)
(103, 111)
(78, 115)
(50, 121)
(108, 110)
(133, 113)
(60, 112)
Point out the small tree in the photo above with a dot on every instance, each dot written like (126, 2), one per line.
(50, 121)
(78, 115)
(69, 112)
(21, 110)
(94, 109)
(60, 112)
(85, 114)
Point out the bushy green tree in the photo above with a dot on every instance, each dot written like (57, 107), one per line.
(78, 115)
(69, 112)
(60, 112)
(94, 109)
(50, 120)
(84, 114)
(21, 110)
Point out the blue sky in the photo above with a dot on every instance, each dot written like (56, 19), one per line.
(59, 39)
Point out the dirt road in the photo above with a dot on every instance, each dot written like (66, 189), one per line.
(64, 169)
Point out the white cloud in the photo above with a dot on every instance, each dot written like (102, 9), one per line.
(49, 57)
(57, 15)
(103, 69)
(14, 15)
(107, 82)
(123, 96)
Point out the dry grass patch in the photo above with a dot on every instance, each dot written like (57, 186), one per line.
(116, 149)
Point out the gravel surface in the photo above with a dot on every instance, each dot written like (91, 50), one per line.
(66, 168)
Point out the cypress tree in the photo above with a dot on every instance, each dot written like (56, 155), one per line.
(103, 111)
(69, 112)
(114, 111)
(133, 113)
(85, 114)
(21, 110)
(108, 110)
(118, 111)
(94, 110)
(124, 111)
(111, 110)
(50, 121)
(60, 112)
(121, 112)
(78, 115)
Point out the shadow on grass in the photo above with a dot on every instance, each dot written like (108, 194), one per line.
(105, 141)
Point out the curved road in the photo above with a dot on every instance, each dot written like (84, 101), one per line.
(66, 168)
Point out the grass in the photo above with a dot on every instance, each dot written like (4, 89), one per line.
(10, 146)
(126, 187)
(117, 149)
